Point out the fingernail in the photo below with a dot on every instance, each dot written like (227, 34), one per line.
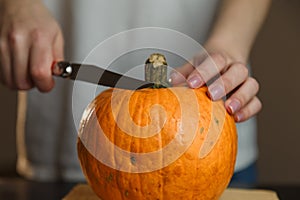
(217, 92)
(238, 117)
(195, 81)
(234, 105)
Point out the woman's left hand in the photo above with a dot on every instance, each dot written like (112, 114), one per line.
(225, 76)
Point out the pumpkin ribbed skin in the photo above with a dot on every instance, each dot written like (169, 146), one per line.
(190, 176)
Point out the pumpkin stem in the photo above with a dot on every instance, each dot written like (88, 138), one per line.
(156, 71)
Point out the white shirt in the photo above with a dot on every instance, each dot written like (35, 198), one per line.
(46, 130)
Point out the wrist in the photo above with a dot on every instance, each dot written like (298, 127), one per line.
(232, 49)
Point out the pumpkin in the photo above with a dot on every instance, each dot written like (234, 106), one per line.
(162, 143)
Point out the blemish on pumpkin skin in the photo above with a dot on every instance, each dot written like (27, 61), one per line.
(109, 178)
(126, 193)
(216, 120)
(201, 130)
(132, 160)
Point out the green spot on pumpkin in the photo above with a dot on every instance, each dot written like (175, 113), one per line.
(109, 178)
(126, 193)
(201, 130)
(133, 160)
(216, 120)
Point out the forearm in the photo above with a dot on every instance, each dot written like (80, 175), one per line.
(236, 27)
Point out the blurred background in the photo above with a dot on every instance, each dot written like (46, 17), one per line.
(276, 64)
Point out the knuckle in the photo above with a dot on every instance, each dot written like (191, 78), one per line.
(15, 36)
(254, 83)
(38, 34)
(242, 69)
(228, 84)
(259, 104)
(23, 85)
(38, 73)
(219, 59)
(45, 89)
(246, 70)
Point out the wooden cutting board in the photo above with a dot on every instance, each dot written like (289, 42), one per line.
(84, 192)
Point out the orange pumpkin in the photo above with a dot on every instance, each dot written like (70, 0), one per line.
(167, 143)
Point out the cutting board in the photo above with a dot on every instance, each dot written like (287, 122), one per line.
(84, 192)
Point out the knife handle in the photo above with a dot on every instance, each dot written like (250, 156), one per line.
(62, 69)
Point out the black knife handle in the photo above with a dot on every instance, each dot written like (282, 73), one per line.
(63, 69)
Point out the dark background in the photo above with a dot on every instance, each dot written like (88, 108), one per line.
(276, 64)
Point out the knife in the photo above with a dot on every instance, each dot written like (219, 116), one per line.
(97, 75)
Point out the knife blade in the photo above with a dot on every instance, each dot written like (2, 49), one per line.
(97, 75)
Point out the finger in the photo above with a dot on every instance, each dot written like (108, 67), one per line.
(178, 75)
(252, 108)
(209, 68)
(19, 62)
(242, 96)
(236, 74)
(41, 59)
(6, 72)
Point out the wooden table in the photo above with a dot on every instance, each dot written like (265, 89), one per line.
(20, 189)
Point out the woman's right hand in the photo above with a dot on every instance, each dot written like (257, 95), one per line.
(30, 40)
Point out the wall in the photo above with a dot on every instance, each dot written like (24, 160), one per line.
(276, 62)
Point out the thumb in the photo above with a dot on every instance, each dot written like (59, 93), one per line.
(58, 47)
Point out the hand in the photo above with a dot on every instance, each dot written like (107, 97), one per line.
(229, 77)
(30, 41)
